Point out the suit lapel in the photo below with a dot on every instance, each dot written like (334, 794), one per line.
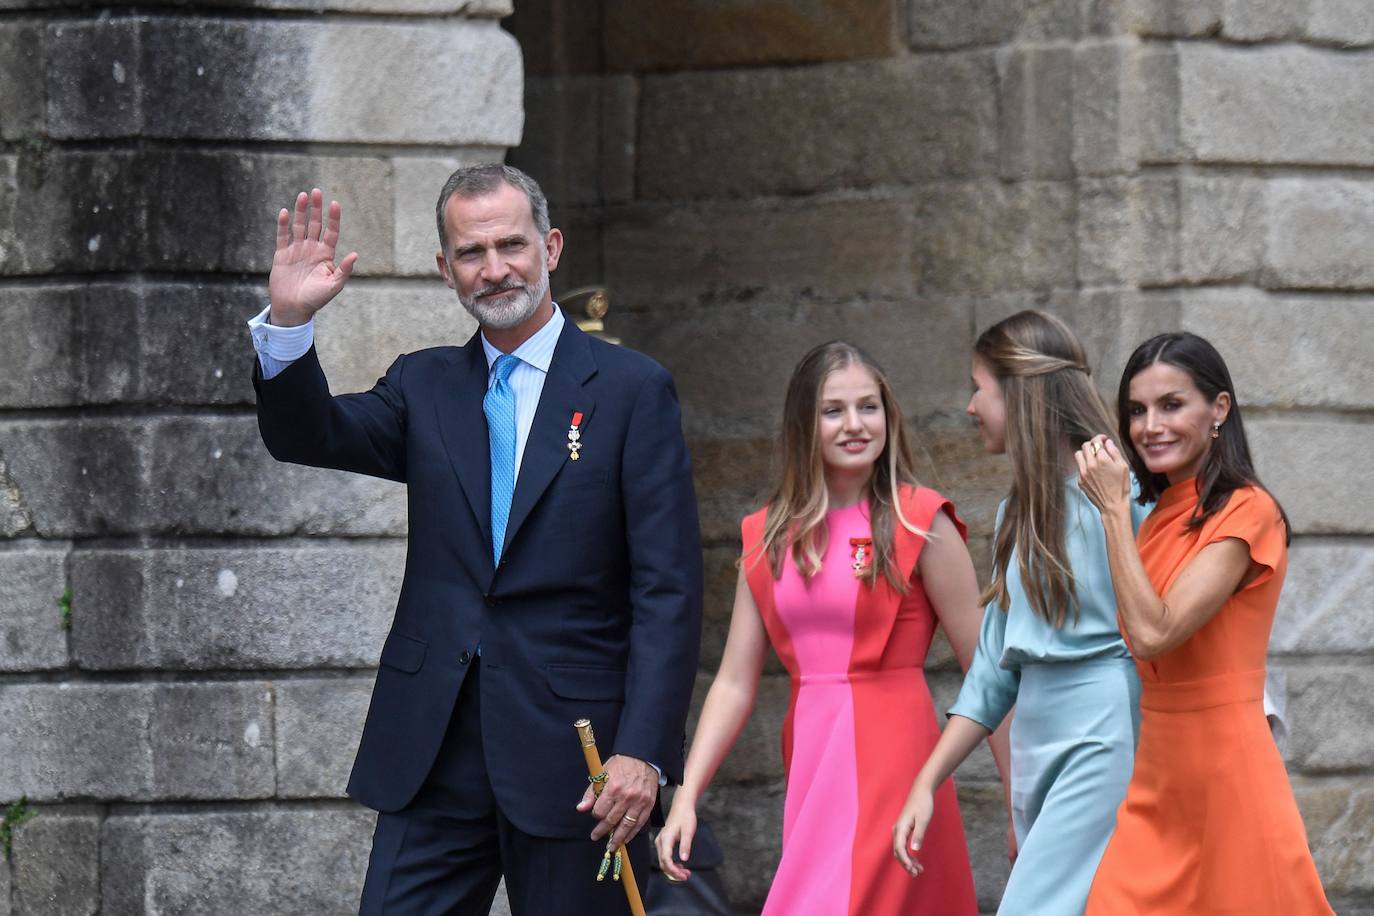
(463, 427)
(546, 449)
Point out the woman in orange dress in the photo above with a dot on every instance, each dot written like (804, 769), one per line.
(1209, 824)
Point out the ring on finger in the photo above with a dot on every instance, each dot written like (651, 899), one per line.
(630, 819)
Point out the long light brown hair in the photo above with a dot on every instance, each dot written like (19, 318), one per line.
(1051, 406)
(797, 508)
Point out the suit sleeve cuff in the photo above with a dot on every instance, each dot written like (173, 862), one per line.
(279, 347)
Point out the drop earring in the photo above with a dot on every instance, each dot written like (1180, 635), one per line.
(1216, 430)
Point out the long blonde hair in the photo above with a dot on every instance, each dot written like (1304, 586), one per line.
(797, 508)
(1051, 405)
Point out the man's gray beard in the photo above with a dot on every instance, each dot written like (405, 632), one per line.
(508, 313)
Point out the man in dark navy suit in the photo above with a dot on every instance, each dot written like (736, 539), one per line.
(553, 569)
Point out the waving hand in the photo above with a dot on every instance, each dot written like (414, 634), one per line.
(304, 276)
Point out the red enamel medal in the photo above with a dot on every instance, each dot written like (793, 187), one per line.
(575, 435)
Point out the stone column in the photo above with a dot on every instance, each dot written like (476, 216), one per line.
(184, 732)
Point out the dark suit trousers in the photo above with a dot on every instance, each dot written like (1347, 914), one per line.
(446, 851)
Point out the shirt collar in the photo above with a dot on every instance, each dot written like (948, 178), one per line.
(537, 351)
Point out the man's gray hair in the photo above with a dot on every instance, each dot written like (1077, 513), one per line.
(479, 180)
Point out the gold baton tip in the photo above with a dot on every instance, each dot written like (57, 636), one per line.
(584, 731)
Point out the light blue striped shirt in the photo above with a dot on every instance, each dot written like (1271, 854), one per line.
(279, 347)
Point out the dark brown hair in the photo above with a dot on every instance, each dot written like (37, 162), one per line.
(1227, 466)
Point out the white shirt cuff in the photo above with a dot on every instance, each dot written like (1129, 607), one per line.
(279, 347)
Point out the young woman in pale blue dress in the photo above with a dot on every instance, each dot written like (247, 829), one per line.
(1049, 643)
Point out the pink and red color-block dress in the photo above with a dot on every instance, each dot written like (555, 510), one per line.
(859, 725)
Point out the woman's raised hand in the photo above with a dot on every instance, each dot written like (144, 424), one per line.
(1103, 474)
(677, 834)
(910, 829)
(304, 276)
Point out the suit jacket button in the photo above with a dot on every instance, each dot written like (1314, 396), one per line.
(465, 657)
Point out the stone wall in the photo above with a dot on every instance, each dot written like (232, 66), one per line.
(753, 178)
(748, 178)
(184, 740)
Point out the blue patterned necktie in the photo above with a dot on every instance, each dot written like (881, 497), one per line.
(499, 406)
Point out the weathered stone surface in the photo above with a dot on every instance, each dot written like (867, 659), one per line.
(74, 476)
(471, 8)
(1339, 815)
(1331, 722)
(1326, 606)
(1037, 108)
(456, 82)
(982, 237)
(317, 727)
(938, 24)
(1279, 105)
(563, 147)
(14, 518)
(56, 862)
(41, 351)
(215, 475)
(840, 125)
(1341, 22)
(178, 475)
(294, 860)
(917, 342)
(364, 331)
(1345, 23)
(985, 824)
(1171, 230)
(417, 182)
(71, 211)
(247, 191)
(22, 62)
(1317, 230)
(732, 478)
(1307, 335)
(640, 37)
(1291, 455)
(1106, 108)
(218, 608)
(32, 637)
(136, 741)
(6, 893)
(674, 254)
(747, 820)
(95, 78)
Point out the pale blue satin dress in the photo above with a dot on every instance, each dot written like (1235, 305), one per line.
(1073, 737)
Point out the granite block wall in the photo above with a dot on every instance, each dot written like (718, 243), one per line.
(763, 176)
(188, 629)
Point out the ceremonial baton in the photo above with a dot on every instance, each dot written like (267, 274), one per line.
(624, 873)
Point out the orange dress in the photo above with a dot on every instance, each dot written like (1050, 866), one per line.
(1209, 824)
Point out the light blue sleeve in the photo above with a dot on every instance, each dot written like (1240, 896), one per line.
(279, 347)
(989, 690)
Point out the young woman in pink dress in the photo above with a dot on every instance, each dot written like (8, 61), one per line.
(845, 572)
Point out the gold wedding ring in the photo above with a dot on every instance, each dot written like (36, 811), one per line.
(1097, 447)
(672, 879)
(630, 820)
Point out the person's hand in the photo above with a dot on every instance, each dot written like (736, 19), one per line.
(625, 801)
(676, 836)
(910, 828)
(1103, 475)
(304, 276)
